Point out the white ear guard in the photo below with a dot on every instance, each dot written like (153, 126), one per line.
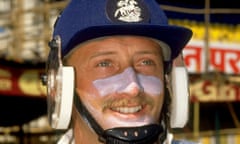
(60, 88)
(180, 97)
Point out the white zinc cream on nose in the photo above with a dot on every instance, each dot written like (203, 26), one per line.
(126, 81)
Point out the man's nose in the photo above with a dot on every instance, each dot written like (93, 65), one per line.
(132, 87)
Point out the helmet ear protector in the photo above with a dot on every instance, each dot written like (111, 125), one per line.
(180, 97)
(60, 87)
(60, 90)
(179, 93)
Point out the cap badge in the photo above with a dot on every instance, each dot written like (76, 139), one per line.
(127, 11)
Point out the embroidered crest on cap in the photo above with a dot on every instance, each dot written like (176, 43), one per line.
(127, 11)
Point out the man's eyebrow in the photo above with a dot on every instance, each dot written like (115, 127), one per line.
(155, 54)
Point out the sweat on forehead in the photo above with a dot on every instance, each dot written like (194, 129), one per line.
(166, 51)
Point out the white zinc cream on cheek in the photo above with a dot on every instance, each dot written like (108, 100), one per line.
(126, 81)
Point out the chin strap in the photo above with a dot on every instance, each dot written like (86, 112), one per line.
(148, 134)
(86, 115)
(133, 135)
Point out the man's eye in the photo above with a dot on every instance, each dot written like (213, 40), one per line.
(147, 62)
(104, 64)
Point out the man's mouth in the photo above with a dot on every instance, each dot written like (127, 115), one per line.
(127, 110)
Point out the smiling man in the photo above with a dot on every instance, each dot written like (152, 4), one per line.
(120, 82)
(115, 82)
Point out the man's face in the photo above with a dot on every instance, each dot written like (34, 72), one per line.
(120, 80)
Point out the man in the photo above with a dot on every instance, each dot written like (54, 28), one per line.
(115, 81)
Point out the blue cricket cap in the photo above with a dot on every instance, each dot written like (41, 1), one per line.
(84, 20)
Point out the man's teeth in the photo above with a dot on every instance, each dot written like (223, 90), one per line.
(127, 110)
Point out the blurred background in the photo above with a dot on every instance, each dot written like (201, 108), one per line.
(212, 58)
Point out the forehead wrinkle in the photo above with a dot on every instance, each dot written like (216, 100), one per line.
(147, 52)
(103, 53)
(151, 46)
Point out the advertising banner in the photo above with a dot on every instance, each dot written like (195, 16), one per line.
(223, 57)
(21, 82)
